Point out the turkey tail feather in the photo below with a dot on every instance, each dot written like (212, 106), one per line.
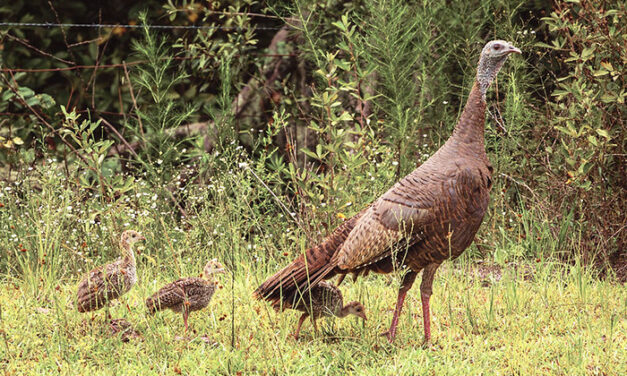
(306, 270)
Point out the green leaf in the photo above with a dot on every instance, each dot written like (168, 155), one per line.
(587, 52)
(32, 101)
(7, 95)
(567, 131)
(339, 25)
(45, 100)
(309, 153)
(593, 140)
(25, 92)
(345, 116)
(603, 133)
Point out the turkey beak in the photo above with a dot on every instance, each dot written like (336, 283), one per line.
(513, 49)
(363, 316)
(220, 270)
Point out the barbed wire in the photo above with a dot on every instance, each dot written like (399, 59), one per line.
(128, 26)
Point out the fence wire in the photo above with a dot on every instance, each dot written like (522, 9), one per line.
(127, 26)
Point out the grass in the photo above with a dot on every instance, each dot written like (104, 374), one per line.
(513, 316)
(556, 323)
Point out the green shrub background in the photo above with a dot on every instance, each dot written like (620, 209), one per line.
(356, 95)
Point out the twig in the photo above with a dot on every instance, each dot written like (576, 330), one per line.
(292, 215)
(519, 183)
(99, 39)
(69, 49)
(38, 50)
(132, 151)
(92, 79)
(178, 206)
(260, 15)
(67, 45)
(130, 88)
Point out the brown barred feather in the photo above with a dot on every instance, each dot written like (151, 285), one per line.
(286, 283)
(109, 282)
(196, 292)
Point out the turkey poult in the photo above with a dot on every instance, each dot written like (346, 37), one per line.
(429, 216)
(325, 299)
(186, 294)
(109, 282)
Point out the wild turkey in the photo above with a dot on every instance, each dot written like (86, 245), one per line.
(186, 294)
(326, 300)
(109, 282)
(429, 216)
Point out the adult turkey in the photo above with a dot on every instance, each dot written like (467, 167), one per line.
(110, 281)
(429, 216)
(186, 295)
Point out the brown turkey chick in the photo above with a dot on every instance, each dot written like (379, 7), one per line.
(325, 300)
(109, 282)
(186, 294)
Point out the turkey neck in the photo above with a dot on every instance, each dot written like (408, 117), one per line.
(470, 127)
(343, 312)
(127, 252)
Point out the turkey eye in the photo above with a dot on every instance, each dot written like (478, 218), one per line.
(497, 47)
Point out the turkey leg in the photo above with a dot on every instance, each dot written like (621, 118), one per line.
(340, 279)
(185, 314)
(300, 323)
(408, 281)
(425, 293)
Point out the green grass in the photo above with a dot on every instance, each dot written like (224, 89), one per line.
(557, 323)
(541, 317)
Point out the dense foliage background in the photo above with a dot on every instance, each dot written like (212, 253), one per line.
(290, 117)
